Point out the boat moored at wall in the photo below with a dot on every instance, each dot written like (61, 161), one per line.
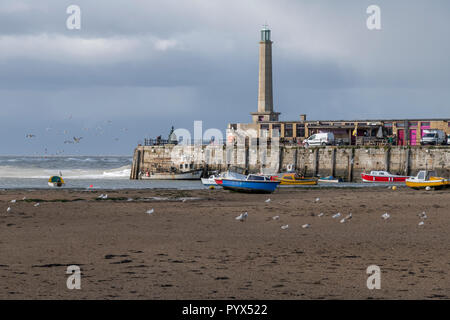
(382, 176)
(427, 179)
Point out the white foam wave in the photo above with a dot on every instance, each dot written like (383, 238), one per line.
(39, 173)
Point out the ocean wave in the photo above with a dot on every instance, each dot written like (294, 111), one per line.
(41, 173)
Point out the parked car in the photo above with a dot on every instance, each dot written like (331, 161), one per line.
(320, 139)
(434, 137)
(448, 139)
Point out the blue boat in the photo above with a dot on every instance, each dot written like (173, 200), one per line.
(252, 184)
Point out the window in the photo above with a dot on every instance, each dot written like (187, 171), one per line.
(288, 130)
(421, 175)
(300, 130)
(425, 124)
(275, 128)
(260, 118)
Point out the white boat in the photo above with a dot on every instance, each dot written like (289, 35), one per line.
(188, 175)
(211, 181)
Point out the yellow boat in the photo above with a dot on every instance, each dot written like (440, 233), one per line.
(426, 179)
(292, 179)
(55, 181)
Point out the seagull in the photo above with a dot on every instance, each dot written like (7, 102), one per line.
(348, 217)
(268, 200)
(421, 223)
(337, 215)
(77, 140)
(130, 199)
(13, 201)
(276, 218)
(150, 211)
(320, 214)
(37, 204)
(285, 227)
(242, 217)
(9, 209)
(100, 196)
(31, 135)
(386, 216)
(317, 199)
(24, 198)
(423, 215)
(343, 220)
(305, 226)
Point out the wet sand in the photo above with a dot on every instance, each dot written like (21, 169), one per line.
(197, 250)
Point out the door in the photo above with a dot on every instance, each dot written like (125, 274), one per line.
(401, 137)
(413, 136)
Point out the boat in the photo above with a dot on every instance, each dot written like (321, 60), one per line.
(174, 175)
(427, 178)
(382, 176)
(56, 181)
(251, 184)
(229, 175)
(211, 181)
(292, 179)
(330, 179)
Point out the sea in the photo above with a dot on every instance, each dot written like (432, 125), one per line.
(93, 172)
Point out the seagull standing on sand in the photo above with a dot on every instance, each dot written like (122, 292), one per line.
(150, 211)
(242, 217)
(423, 215)
(306, 226)
(13, 201)
(386, 216)
(320, 214)
(276, 218)
(268, 200)
(9, 209)
(285, 227)
(317, 199)
(337, 215)
(37, 204)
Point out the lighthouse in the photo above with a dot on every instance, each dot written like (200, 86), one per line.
(265, 91)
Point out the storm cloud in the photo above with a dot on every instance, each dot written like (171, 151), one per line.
(135, 68)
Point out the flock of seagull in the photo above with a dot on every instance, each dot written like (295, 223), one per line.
(244, 216)
(99, 130)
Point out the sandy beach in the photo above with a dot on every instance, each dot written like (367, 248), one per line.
(196, 249)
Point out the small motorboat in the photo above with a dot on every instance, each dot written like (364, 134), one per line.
(292, 179)
(382, 176)
(56, 181)
(251, 184)
(330, 179)
(426, 179)
(229, 175)
(211, 181)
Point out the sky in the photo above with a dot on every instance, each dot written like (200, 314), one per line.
(135, 68)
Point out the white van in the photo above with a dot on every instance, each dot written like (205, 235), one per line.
(434, 137)
(320, 139)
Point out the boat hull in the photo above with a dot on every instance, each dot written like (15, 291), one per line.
(392, 178)
(207, 182)
(300, 182)
(436, 184)
(191, 175)
(249, 186)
